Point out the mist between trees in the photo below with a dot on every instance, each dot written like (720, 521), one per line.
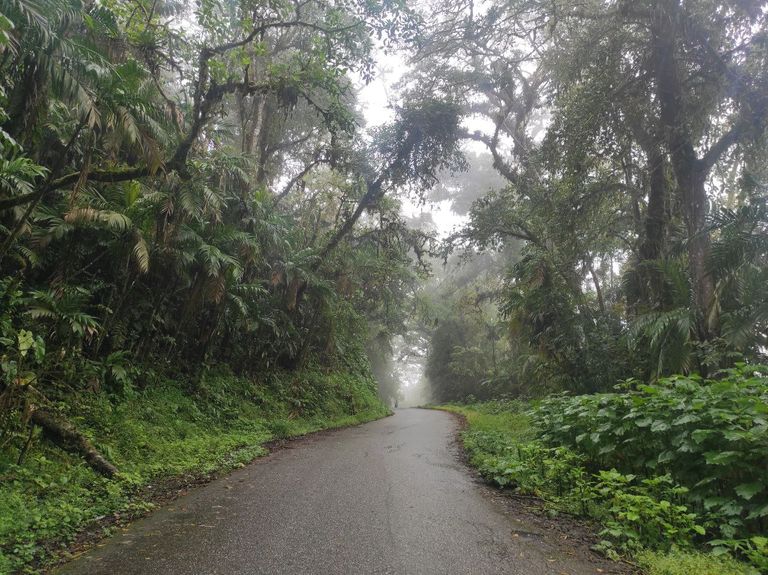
(190, 189)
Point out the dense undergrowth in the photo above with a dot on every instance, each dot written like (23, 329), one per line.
(646, 463)
(172, 428)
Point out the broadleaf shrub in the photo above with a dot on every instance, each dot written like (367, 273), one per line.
(710, 436)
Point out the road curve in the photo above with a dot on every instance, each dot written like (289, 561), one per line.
(390, 497)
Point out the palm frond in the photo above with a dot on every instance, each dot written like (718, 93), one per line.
(113, 220)
(18, 175)
(667, 335)
(140, 253)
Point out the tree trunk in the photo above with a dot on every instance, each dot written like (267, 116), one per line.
(699, 248)
(24, 103)
(65, 435)
(690, 173)
(654, 228)
(598, 289)
(653, 242)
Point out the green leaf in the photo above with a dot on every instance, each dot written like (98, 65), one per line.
(688, 418)
(721, 457)
(701, 435)
(732, 435)
(749, 490)
(711, 502)
(39, 349)
(607, 449)
(759, 512)
(732, 508)
(665, 456)
(25, 340)
(659, 426)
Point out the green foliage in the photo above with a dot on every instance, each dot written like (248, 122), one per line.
(754, 549)
(576, 347)
(709, 435)
(516, 446)
(468, 352)
(637, 195)
(424, 140)
(157, 434)
(647, 513)
(687, 562)
(147, 238)
(142, 217)
(216, 221)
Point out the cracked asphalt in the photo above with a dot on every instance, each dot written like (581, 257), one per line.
(387, 497)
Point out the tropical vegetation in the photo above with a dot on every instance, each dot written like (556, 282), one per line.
(202, 246)
(613, 266)
(186, 191)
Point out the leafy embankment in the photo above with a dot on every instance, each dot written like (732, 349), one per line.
(673, 472)
(172, 428)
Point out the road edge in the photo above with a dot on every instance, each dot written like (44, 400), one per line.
(531, 508)
(169, 489)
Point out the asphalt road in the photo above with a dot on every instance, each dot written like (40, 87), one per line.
(390, 496)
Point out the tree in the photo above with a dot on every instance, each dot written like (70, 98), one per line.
(172, 198)
(613, 126)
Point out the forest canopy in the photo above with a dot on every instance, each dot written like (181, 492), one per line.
(200, 235)
(180, 184)
(186, 186)
(631, 220)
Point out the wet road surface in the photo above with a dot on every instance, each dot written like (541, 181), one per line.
(390, 496)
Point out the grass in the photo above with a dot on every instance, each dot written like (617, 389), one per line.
(506, 419)
(166, 431)
(690, 563)
(503, 445)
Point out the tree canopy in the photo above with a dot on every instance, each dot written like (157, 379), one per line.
(191, 188)
(631, 140)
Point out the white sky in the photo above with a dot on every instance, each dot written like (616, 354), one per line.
(374, 99)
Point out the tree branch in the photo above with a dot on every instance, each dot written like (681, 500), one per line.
(492, 144)
(222, 48)
(106, 176)
(374, 192)
(715, 152)
(294, 180)
(213, 96)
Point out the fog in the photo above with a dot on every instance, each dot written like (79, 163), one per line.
(399, 363)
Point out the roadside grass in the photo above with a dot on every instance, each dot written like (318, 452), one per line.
(690, 563)
(169, 430)
(643, 519)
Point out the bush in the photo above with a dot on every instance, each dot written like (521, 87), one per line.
(710, 436)
(641, 514)
(556, 451)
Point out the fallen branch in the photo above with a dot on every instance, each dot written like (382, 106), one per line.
(65, 435)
